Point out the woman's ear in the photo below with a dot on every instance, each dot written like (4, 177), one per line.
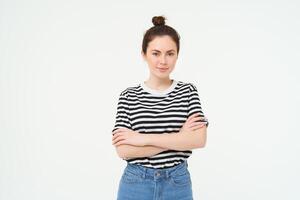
(143, 55)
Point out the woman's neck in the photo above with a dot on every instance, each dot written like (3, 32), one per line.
(158, 83)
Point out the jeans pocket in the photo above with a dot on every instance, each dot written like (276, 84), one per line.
(183, 179)
(131, 177)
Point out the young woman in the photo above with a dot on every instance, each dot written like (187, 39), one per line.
(158, 123)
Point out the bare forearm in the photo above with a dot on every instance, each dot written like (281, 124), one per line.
(128, 151)
(178, 141)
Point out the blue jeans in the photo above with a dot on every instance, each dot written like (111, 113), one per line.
(142, 183)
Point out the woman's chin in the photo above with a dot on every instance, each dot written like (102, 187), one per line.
(162, 75)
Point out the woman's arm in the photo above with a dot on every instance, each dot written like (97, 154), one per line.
(179, 140)
(192, 135)
(126, 151)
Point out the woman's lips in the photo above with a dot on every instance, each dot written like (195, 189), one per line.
(162, 69)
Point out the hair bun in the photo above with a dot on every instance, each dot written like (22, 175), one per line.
(158, 20)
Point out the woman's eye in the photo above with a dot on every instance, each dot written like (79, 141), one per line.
(156, 54)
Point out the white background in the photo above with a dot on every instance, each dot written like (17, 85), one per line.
(64, 63)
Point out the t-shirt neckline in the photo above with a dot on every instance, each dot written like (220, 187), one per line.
(157, 92)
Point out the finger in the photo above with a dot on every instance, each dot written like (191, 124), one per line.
(121, 129)
(192, 116)
(197, 119)
(121, 132)
(197, 127)
(202, 124)
(197, 123)
(193, 123)
(117, 131)
(120, 142)
(114, 135)
(117, 140)
(117, 135)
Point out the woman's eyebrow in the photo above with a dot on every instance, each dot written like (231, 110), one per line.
(167, 51)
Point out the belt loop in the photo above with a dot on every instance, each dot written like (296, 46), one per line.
(141, 170)
(144, 173)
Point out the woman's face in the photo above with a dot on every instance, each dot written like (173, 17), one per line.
(161, 56)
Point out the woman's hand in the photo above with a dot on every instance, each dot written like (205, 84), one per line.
(191, 123)
(127, 136)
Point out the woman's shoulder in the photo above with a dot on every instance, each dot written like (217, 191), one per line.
(130, 89)
(186, 84)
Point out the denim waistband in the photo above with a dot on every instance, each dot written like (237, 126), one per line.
(152, 172)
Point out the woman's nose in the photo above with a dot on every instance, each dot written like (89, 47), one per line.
(163, 60)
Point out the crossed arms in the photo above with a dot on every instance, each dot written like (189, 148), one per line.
(131, 144)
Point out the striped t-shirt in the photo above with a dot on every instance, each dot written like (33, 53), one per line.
(145, 110)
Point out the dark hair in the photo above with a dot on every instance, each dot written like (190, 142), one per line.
(160, 29)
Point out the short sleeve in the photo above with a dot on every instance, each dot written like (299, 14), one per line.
(194, 103)
(122, 115)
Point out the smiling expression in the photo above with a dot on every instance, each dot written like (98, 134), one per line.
(161, 56)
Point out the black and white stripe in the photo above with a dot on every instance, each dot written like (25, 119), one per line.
(147, 112)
